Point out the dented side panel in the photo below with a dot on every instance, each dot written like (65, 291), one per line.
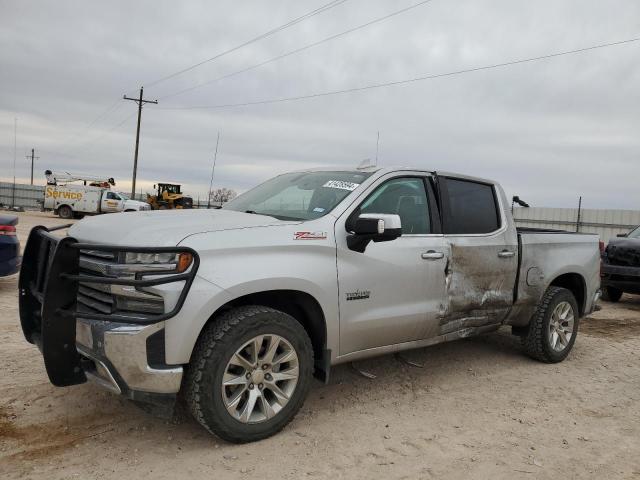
(479, 282)
(481, 275)
(547, 256)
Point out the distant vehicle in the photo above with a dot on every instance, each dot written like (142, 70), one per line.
(238, 308)
(168, 196)
(92, 196)
(9, 246)
(621, 266)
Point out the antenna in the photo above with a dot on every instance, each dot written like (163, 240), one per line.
(366, 163)
(377, 147)
(213, 169)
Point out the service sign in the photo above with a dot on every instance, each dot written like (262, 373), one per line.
(51, 192)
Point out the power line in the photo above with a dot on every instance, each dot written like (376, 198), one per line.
(298, 50)
(312, 13)
(406, 81)
(102, 115)
(85, 144)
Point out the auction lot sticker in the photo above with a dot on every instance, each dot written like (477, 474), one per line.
(341, 185)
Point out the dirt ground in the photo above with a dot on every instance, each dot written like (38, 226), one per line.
(478, 409)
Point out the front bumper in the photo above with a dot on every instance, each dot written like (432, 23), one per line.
(126, 358)
(121, 352)
(625, 278)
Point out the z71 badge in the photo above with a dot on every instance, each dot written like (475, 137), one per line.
(309, 235)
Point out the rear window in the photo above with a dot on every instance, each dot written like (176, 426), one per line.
(472, 208)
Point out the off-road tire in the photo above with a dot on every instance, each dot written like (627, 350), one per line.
(536, 340)
(217, 343)
(65, 212)
(611, 294)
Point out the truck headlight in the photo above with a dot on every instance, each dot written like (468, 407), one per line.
(178, 262)
(138, 257)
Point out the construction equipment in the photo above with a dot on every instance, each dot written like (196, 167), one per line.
(168, 196)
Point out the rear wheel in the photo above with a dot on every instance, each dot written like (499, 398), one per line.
(553, 327)
(65, 212)
(250, 373)
(611, 294)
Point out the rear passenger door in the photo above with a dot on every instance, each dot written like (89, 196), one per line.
(482, 264)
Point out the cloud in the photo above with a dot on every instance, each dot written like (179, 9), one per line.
(550, 131)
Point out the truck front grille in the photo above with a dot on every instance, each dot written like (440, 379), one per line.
(111, 299)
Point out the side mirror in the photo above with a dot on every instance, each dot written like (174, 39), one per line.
(376, 227)
(622, 235)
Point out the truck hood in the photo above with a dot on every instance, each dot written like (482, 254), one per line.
(162, 228)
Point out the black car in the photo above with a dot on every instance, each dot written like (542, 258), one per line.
(10, 259)
(621, 266)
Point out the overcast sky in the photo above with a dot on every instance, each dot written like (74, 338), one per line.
(549, 130)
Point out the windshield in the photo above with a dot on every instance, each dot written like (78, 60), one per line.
(298, 196)
(634, 233)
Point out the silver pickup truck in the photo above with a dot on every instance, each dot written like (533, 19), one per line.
(235, 310)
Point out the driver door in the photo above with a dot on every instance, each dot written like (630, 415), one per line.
(111, 202)
(394, 291)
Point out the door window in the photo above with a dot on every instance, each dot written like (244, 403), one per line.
(405, 197)
(112, 196)
(472, 208)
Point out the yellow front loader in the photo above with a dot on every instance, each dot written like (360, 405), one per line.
(168, 196)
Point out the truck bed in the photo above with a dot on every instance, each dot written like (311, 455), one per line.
(546, 254)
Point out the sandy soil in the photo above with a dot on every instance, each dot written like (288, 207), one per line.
(478, 409)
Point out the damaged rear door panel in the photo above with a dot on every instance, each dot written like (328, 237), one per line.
(483, 261)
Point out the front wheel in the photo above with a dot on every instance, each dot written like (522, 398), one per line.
(553, 327)
(249, 374)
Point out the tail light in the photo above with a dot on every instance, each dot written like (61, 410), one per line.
(601, 247)
(602, 250)
(8, 230)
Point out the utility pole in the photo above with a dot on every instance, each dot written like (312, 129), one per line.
(32, 157)
(15, 149)
(139, 101)
(213, 169)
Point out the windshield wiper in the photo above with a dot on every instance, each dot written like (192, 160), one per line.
(277, 217)
(253, 212)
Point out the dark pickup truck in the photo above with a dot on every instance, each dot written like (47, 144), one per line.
(621, 266)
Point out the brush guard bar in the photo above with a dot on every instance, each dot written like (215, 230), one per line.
(48, 288)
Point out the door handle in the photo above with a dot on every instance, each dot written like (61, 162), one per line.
(432, 255)
(506, 254)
